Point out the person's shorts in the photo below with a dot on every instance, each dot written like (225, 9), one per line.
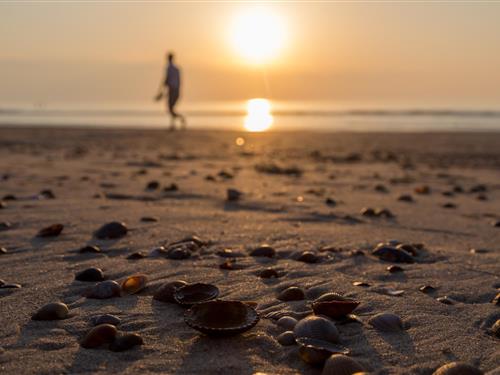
(173, 96)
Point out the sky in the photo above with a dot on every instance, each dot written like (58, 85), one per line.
(443, 54)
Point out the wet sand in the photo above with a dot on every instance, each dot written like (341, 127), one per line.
(98, 176)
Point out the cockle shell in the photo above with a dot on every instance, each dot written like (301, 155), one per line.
(90, 274)
(111, 230)
(287, 338)
(339, 364)
(457, 368)
(166, 292)
(52, 311)
(195, 293)
(292, 293)
(99, 335)
(316, 352)
(125, 342)
(386, 322)
(308, 257)
(263, 251)
(334, 306)
(287, 322)
(317, 327)
(134, 284)
(51, 231)
(105, 319)
(392, 254)
(221, 318)
(105, 289)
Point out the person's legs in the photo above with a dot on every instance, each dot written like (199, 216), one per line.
(173, 96)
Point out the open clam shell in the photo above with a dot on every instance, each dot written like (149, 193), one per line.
(192, 294)
(316, 352)
(334, 306)
(221, 318)
(134, 284)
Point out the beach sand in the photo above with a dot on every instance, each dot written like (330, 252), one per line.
(98, 176)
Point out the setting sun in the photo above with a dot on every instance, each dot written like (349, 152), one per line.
(259, 117)
(258, 35)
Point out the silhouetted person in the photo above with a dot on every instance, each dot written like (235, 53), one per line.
(172, 85)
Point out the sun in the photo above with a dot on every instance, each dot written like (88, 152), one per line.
(259, 117)
(258, 35)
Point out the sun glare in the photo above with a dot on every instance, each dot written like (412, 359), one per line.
(258, 35)
(259, 117)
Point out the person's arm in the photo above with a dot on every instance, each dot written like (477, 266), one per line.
(161, 89)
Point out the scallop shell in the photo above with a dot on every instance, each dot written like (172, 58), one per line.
(105, 289)
(316, 352)
(166, 292)
(339, 364)
(52, 311)
(263, 251)
(316, 327)
(287, 338)
(287, 322)
(111, 230)
(457, 368)
(134, 284)
(386, 322)
(195, 293)
(125, 342)
(100, 335)
(334, 306)
(221, 318)
(90, 274)
(292, 294)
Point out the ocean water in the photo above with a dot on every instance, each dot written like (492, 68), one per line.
(281, 116)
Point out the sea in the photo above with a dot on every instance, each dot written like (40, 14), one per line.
(235, 115)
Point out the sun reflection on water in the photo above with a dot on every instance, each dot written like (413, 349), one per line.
(259, 117)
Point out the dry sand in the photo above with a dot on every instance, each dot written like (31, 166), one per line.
(82, 166)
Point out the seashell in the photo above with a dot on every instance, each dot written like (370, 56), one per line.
(47, 194)
(51, 231)
(495, 329)
(3, 250)
(4, 285)
(233, 195)
(52, 311)
(3, 204)
(111, 230)
(90, 249)
(339, 364)
(197, 241)
(405, 198)
(158, 252)
(231, 265)
(392, 254)
(90, 274)
(316, 352)
(263, 251)
(449, 205)
(125, 342)
(457, 368)
(361, 283)
(386, 322)
(166, 292)
(105, 289)
(268, 273)
(192, 294)
(287, 338)
(496, 300)
(424, 189)
(383, 212)
(349, 318)
(334, 306)
(228, 253)
(394, 269)
(105, 319)
(356, 252)
(308, 257)
(137, 255)
(287, 322)
(427, 289)
(171, 187)
(9, 197)
(368, 211)
(292, 294)
(152, 185)
(99, 335)
(316, 327)
(410, 249)
(134, 284)
(446, 300)
(178, 253)
(149, 219)
(221, 318)
(330, 202)
(478, 251)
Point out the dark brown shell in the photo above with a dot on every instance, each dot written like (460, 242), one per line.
(99, 335)
(90, 274)
(125, 342)
(51, 231)
(308, 257)
(334, 306)
(221, 318)
(134, 284)
(392, 254)
(268, 273)
(457, 368)
(111, 230)
(263, 251)
(166, 292)
(495, 329)
(339, 364)
(192, 294)
(105, 289)
(316, 352)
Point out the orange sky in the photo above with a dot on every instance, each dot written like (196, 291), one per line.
(382, 54)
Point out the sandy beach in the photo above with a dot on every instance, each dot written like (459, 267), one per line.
(299, 192)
